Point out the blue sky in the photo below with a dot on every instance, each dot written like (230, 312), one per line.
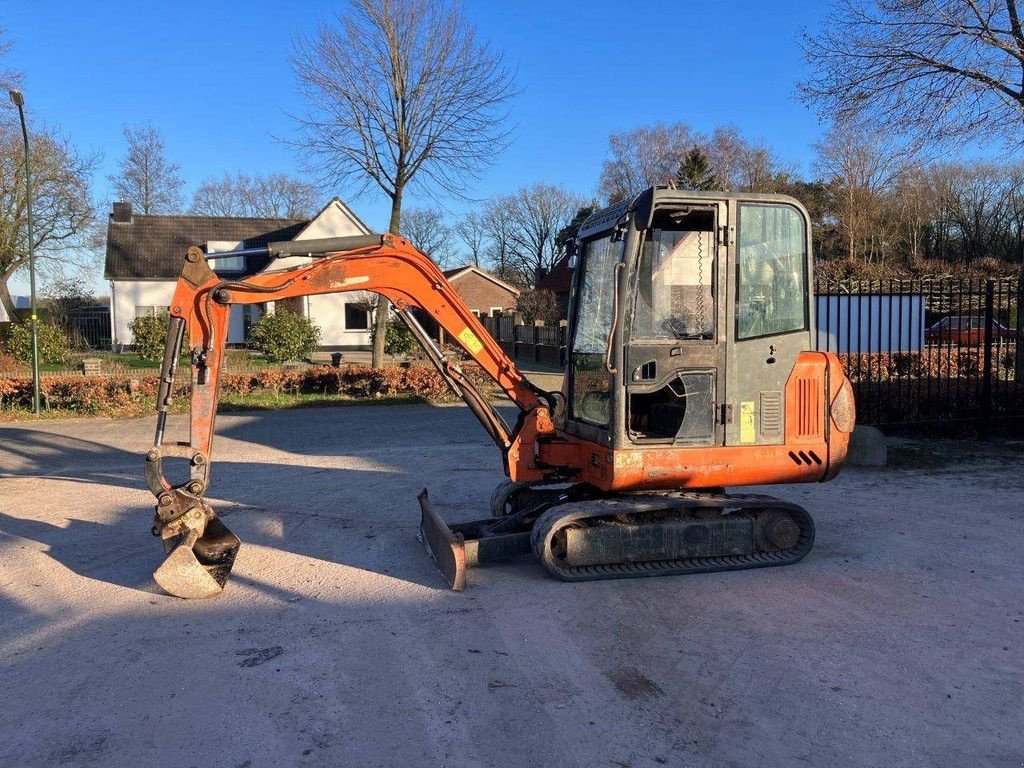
(214, 77)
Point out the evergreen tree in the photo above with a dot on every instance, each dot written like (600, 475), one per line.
(695, 171)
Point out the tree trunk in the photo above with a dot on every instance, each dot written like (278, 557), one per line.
(5, 298)
(380, 320)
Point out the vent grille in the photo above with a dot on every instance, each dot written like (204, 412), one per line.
(808, 408)
(771, 414)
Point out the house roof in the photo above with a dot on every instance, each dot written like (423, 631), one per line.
(455, 274)
(153, 247)
(559, 279)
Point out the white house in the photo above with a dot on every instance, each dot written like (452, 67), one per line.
(145, 254)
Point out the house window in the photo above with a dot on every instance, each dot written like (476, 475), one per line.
(229, 264)
(497, 311)
(225, 263)
(150, 311)
(476, 312)
(356, 319)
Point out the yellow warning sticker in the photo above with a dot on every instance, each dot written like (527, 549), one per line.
(748, 432)
(470, 341)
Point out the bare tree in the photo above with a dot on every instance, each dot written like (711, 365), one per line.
(471, 229)
(499, 226)
(977, 198)
(537, 214)
(64, 297)
(146, 179)
(861, 169)
(275, 196)
(427, 230)
(400, 91)
(725, 151)
(538, 304)
(1015, 195)
(649, 154)
(63, 214)
(917, 209)
(9, 78)
(937, 69)
(760, 170)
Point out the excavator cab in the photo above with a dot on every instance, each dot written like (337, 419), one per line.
(691, 367)
(690, 312)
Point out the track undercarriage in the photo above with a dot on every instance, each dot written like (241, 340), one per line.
(580, 534)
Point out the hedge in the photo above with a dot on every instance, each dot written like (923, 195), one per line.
(127, 395)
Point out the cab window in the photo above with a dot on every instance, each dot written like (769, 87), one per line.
(675, 296)
(772, 271)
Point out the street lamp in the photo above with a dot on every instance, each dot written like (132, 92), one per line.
(19, 100)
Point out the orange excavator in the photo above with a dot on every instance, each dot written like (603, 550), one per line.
(689, 368)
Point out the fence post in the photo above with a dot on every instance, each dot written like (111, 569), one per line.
(1018, 336)
(986, 382)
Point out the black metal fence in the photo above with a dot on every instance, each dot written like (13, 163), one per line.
(91, 327)
(926, 351)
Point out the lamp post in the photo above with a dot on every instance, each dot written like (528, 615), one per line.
(19, 100)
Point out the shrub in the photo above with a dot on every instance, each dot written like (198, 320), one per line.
(398, 338)
(53, 343)
(150, 335)
(284, 335)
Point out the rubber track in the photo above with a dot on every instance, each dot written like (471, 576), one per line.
(548, 523)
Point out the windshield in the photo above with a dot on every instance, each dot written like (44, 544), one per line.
(590, 398)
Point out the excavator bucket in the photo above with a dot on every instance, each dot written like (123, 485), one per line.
(198, 565)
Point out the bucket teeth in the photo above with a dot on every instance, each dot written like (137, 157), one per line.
(199, 561)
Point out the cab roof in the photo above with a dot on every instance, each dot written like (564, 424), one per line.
(641, 205)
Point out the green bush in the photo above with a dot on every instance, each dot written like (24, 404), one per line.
(284, 335)
(150, 335)
(53, 343)
(398, 339)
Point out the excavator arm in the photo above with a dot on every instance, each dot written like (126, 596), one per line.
(201, 549)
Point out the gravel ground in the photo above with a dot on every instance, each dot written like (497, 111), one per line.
(896, 642)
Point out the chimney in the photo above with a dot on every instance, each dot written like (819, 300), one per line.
(122, 213)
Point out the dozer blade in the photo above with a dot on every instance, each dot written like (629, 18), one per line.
(198, 566)
(445, 547)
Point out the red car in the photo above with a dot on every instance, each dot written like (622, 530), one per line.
(966, 331)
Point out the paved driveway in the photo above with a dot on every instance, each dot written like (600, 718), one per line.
(896, 642)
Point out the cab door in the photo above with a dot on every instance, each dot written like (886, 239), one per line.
(674, 372)
(770, 317)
